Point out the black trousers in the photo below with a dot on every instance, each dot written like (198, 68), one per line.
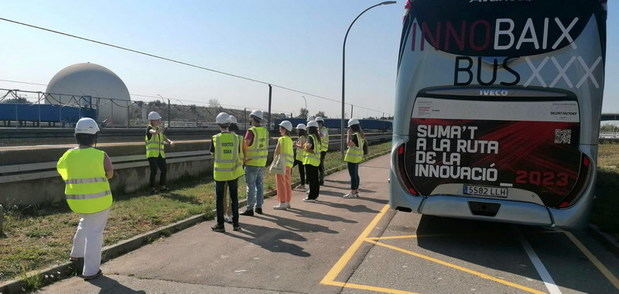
(233, 190)
(312, 179)
(321, 167)
(157, 163)
(301, 170)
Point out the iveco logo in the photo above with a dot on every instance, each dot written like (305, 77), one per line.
(492, 92)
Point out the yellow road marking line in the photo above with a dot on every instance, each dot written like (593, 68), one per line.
(341, 263)
(600, 266)
(392, 237)
(369, 288)
(460, 268)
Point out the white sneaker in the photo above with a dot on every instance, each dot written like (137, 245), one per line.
(351, 195)
(357, 195)
(309, 200)
(287, 205)
(281, 206)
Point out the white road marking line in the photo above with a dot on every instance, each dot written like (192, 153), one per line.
(539, 266)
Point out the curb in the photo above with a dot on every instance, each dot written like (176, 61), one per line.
(609, 241)
(39, 278)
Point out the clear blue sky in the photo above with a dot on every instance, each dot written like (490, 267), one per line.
(293, 43)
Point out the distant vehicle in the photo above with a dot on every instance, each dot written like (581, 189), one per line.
(498, 109)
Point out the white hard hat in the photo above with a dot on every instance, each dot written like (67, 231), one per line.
(301, 127)
(222, 118)
(86, 125)
(286, 125)
(312, 123)
(232, 119)
(319, 119)
(352, 122)
(153, 115)
(257, 113)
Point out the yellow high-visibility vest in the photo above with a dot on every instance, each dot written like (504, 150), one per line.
(87, 189)
(354, 154)
(300, 151)
(227, 157)
(324, 139)
(240, 170)
(155, 145)
(285, 150)
(258, 151)
(312, 158)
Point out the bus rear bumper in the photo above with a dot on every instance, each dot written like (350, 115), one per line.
(485, 209)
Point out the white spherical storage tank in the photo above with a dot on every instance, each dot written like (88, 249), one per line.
(91, 85)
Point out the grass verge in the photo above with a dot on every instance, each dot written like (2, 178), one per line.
(607, 200)
(40, 237)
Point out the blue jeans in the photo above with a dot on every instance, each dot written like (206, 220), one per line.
(255, 194)
(353, 171)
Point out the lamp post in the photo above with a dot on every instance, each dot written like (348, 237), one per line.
(344, 71)
(307, 110)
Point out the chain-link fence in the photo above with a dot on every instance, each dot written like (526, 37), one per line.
(39, 109)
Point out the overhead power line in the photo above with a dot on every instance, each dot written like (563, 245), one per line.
(180, 62)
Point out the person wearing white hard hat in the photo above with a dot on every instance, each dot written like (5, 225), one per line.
(285, 151)
(86, 171)
(227, 168)
(256, 150)
(311, 160)
(324, 147)
(357, 148)
(155, 151)
(232, 128)
(298, 156)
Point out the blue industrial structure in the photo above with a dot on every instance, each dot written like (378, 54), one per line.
(332, 123)
(49, 113)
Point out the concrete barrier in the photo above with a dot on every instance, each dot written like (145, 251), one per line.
(28, 174)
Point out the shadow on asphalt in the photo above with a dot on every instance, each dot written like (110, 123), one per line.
(271, 239)
(352, 208)
(295, 225)
(497, 246)
(109, 285)
(318, 215)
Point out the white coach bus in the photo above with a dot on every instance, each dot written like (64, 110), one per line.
(498, 107)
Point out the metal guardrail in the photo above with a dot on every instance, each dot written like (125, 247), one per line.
(35, 171)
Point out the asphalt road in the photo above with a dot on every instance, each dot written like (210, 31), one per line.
(359, 246)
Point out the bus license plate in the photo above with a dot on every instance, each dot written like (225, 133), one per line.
(485, 191)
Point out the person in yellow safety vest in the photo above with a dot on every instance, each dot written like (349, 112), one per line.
(256, 150)
(233, 128)
(311, 160)
(324, 147)
(357, 147)
(284, 149)
(155, 151)
(227, 151)
(85, 171)
(298, 156)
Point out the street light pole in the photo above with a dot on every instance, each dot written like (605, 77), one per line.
(344, 71)
(306, 110)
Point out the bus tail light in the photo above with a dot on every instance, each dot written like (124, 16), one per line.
(401, 170)
(583, 179)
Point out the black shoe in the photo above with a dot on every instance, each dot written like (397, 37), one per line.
(259, 210)
(154, 191)
(236, 228)
(248, 212)
(218, 228)
(164, 189)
